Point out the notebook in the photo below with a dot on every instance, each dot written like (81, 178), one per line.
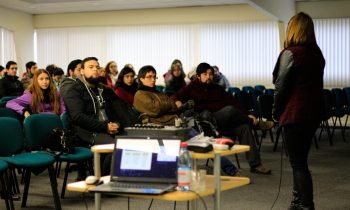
(143, 166)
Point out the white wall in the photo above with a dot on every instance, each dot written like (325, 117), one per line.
(227, 13)
(22, 25)
(325, 9)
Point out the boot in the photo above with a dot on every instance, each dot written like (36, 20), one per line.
(294, 205)
(303, 184)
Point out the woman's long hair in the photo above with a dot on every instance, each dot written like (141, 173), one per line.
(38, 94)
(300, 31)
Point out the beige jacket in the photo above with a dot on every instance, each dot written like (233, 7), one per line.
(157, 106)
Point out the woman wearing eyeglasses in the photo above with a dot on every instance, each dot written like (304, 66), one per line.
(157, 106)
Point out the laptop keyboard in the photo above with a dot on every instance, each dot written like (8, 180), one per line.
(138, 185)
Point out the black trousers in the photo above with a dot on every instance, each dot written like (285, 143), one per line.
(298, 137)
(232, 122)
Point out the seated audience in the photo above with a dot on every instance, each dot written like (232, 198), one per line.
(157, 106)
(93, 109)
(126, 86)
(174, 79)
(73, 71)
(27, 77)
(232, 119)
(41, 97)
(10, 85)
(57, 75)
(161, 109)
(111, 73)
(220, 79)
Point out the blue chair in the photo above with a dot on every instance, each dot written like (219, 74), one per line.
(5, 185)
(338, 110)
(11, 151)
(5, 99)
(270, 92)
(6, 112)
(233, 90)
(247, 89)
(160, 88)
(346, 91)
(38, 128)
(260, 88)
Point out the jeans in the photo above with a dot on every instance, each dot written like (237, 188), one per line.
(232, 122)
(298, 137)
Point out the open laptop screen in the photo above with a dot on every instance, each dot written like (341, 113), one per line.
(145, 160)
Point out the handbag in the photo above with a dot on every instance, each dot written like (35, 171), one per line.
(60, 141)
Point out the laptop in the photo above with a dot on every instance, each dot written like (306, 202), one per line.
(143, 166)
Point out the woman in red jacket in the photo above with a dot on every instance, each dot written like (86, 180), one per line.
(298, 105)
(126, 86)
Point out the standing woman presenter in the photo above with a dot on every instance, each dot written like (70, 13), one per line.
(298, 103)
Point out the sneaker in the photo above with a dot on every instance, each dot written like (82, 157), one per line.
(265, 125)
(260, 169)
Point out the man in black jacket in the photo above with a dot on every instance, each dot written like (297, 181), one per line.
(91, 109)
(10, 85)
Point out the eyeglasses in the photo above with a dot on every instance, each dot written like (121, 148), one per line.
(151, 77)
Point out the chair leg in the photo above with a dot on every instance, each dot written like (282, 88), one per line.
(6, 187)
(27, 174)
(66, 171)
(13, 178)
(58, 165)
(53, 182)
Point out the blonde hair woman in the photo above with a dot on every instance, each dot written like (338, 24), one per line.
(298, 105)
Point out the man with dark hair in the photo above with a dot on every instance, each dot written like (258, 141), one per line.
(27, 77)
(232, 119)
(92, 108)
(10, 85)
(57, 75)
(73, 69)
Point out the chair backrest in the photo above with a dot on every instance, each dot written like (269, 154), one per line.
(233, 90)
(260, 88)
(5, 99)
(247, 88)
(160, 88)
(11, 136)
(6, 112)
(265, 103)
(269, 91)
(38, 128)
(65, 120)
(339, 97)
(347, 95)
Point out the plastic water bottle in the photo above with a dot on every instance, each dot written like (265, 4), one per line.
(184, 168)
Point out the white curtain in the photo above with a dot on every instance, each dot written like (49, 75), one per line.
(245, 52)
(7, 46)
(333, 37)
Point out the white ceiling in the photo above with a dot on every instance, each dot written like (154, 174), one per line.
(65, 6)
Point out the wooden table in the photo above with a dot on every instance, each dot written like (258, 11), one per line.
(215, 184)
